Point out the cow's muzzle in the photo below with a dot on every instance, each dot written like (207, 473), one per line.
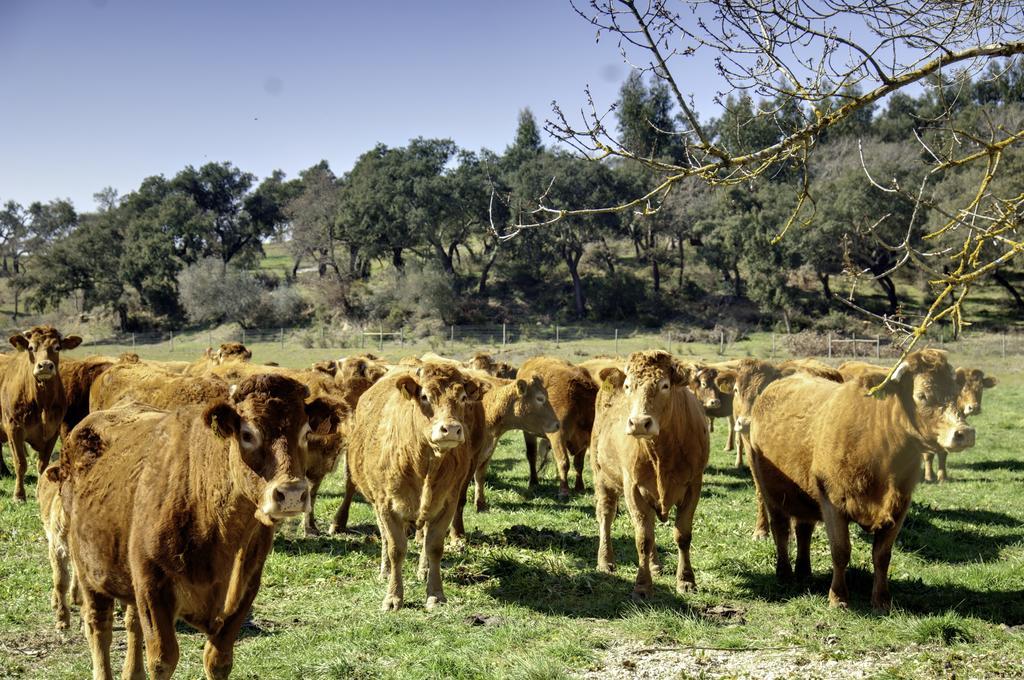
(711, 404)
(642, 426)
(447, 434)
(553, 426)
(286, 499)
(44, 370)
(972, 409)
(960, 438)
(742, 424)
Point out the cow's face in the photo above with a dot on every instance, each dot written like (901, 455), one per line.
(647, 382)
(42, 345)
(972, 382)
(266, 423)
(354, 375)
(751, 377)
(232, 351)
(440, 393)
(704, 385)
(326, 443)
(928, 389)
(531, 407)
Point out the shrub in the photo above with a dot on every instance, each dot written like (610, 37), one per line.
(213, 293)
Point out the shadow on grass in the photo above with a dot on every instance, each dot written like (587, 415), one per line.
(579, 594)
(909, 595)
(929, 541)
(1012, 465)
(361, 539)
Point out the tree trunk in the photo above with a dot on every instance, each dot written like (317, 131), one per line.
(655, 273)
(396, 259)
(682, 261)
(485, 272)
(826, 289)
(737, 282)
(445, 258)
(577, 284)
(890, 291)
(1001, 279)
(295, 267)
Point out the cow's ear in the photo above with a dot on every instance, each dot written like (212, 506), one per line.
(408, 386)
(328, 367)
(681, 373)
(961, 377)
(70, 342)
(521, 387)
(611, 376)
(222, 419)
(325, 413)
(725, 381)
(989, 381)
(476, 389)
(20, 342)
(52, 473)
(373, 372)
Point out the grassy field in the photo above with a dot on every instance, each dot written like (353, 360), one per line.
(525, 599)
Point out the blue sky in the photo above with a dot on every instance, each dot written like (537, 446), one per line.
(107, 92)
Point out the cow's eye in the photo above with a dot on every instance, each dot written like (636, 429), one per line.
(541, 399)
(463, 397)
(921, 396)
(664, 385)
(424, 400)
(247, 438)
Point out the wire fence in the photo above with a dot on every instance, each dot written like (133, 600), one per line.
(724, 342)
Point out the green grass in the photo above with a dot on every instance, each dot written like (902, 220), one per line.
(957, 581)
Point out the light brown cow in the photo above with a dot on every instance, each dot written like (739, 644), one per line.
(32, 399)
(572, 392)
(176, 512)
(830, 452)
(78, 377)
(153, 386)
(408, 456)
(51, 512)
(481, 361)
(713, 387)
(228, 352)
(506, 405)
(650, 446)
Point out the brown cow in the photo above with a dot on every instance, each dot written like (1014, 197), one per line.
(78, 377)
(830, 452)
(228, 352)
(150, 385)
(32, 399)
(506, 405)
(713, 388)
(51, 512)
(650, 446)
(482, 361)
(408, 455)
(972, 383)
(175, 512)
(572, 392)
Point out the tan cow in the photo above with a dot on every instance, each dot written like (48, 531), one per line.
(176, 513)
(572, 392)
(649, 447)
(506, 405)
(408, 456)
(713, 387)
(78, 377)
(32, 398)
(153, 386)
(51, 512)
(481, 361)
(824, 451)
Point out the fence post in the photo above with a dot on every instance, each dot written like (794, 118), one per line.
(721, 342)
(451, 336)
(380, 346)
(829, 336)
(133, 341)
(172, 342)
(322, 335)
(616, 342)
(243, 336)
(282, 338)
(670, 342)
(854, 345)
(401, 336)
(557, 339)
(878, 347)
(504, 333)
(773, 345)
(362, 339)
(1004, 345)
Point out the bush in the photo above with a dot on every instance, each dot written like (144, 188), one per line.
(213, 293)
(420, 292)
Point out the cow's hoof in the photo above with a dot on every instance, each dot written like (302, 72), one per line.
(334, 529)
(783, 574)
(63, 623)
(421, 574)
(312, 531)
(803, 572)
(391, 603)
(836, 601)
(640, 595)
(482, 506)
(760, 534)
(19, 498)
(883, 607)
(563, 494)
(686, 587)
(434, 601)
(606, 567)
(655, 570)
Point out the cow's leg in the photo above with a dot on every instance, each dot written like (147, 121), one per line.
(17, 439)
(643, 532)
(61, 574)
(761, 527)
(530, 442)
(433, 548)
(804, 531)
(577, 463)
(711, 424)
(562, 460)
(881, 553)
(385, 563)
(156, 609)
(311, 527)
(45, 453)
(730, 443)
(941, 456)
(686, 582)
(780, 534)
(929, 471)
(839, 544)
(397, 546)
(606, 505)
(340, 522)
(98, 616)
(219, 651)
(458, 528)
(4, 471)
(740, 446)
(133, 667)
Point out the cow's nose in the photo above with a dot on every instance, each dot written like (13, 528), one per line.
(641, 423)
(714, 403)
(452, 430)
(288, 498)
(45, 366)
(971, 409)
(963, 437)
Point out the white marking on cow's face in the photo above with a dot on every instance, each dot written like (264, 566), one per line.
(249, 438)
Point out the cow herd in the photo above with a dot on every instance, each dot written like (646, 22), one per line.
(174, 476)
